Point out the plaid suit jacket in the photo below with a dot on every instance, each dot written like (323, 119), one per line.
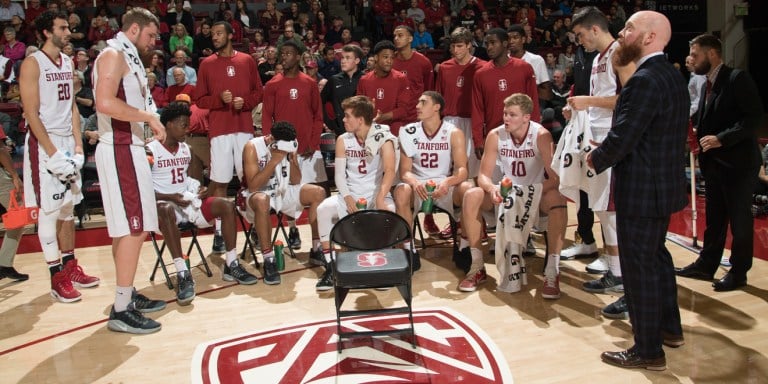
(646, 144)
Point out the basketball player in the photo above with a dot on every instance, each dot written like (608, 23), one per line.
(523, 149)
(431, 150)
(293, 97)
(124, 105)
(388, 89)
(455, 77)
(181, 198)
(357, 175)
(228, 84)
(273, 180)
(53, 154)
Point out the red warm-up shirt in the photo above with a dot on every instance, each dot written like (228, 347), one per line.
(491, 86)
(390, 93)
(238, 74)
(297, 101)
(454, 82)
(421, 77)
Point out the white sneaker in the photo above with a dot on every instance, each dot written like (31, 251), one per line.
(725, 261)
(578, 250)
(599, 265)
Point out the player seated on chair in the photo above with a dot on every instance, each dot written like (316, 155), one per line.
(523, 149)
(181, 198)
(358, 176)
(273, 179)
(431, 150)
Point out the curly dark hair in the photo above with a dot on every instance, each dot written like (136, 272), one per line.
(283, 130)
(173, 111)
(44, 22)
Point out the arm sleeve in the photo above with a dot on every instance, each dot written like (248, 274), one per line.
(340, 175)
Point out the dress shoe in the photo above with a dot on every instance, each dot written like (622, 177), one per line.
(693, 271)
(672, 341)
(729, 282)
(12, 274)
(630, 359)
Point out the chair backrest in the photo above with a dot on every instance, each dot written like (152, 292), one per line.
(370, 230)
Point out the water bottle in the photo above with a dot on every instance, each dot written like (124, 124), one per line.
(186, 261)
(361, 203)
(278, 249)
(506, 186)
(428, 204)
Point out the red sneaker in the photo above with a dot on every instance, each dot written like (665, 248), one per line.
(551, 289)
(473, 279)
(446, 233)
(62, 289)
(75, 274)
(430, 226)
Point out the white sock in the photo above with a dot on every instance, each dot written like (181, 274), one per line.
(463, 243)
(292, 223)
(407, 245)
(217, 226)
(614, 264)
(553, 265)
(317, 245)
(180, 264)
(268, 255)
(231, 256)
(327, 255)
(122, 298)
(477, 259)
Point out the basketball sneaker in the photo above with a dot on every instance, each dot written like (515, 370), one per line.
(326, 281)
(218, 244)
(144, 304)
(416, 259)
(446, 233)
(62, 289)
(75, 274)
(316, 257)
(551, 288)
(608, 283)
(616, 310)
(599, 265)
(294, 238)
(131, 321)
(271, 275)
(578, 250)
(430, 226)
(186, 292)
(472, 280)
(236, 272)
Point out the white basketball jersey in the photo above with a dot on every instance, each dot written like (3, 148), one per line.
(169, 171)
(603, 83)
(432, 159)
(363, 176)
(282, 172)
(521, 162)
(56, 93)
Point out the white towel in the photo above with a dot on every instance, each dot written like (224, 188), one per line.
(516, 216)
(121, 43)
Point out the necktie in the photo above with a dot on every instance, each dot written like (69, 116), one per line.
(708, 92)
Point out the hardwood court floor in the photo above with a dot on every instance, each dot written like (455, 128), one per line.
(42, 341)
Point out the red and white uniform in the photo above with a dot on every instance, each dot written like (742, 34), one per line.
(603, 82)
(56, 93)
(521, 162)
(391, 93)
(491, 86)
(363, 176)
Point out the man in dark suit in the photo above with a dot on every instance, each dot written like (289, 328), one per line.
(729, 114)
(646, 148)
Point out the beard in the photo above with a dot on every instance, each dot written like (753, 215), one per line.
(703, 68)
(627, 53)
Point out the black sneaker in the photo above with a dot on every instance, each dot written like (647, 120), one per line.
(326, 281)
(294, 239)
(186, 292)
(616, 310)
(131, 321)
(271, 275)
(416, 259)
(608, 283)
(13, 274)
(236, 272)
(463, 259)
(316, 257)
(218, 244)
(144, 304)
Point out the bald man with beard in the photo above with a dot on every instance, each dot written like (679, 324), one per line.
(644, 147)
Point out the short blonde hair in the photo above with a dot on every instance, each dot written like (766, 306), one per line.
(521, 100)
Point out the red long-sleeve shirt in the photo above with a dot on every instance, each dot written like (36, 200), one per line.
(421, 77)
(391, 93)
(454, 82)
(491, 86)
(238, 74)
(295, 100)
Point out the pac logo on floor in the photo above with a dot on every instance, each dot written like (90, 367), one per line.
(450, 349)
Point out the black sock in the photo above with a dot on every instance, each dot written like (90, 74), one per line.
(54, 267)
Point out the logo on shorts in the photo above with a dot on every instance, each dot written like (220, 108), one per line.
(231, 70)
(372, 259)
(293, 93)
(460, 81)
(135, 222)
(449, 346)
(502, 85)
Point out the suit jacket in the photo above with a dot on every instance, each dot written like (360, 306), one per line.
(734, 113)
(646, 144)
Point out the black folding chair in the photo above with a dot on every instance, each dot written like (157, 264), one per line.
(370, 261)
(160, 249)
